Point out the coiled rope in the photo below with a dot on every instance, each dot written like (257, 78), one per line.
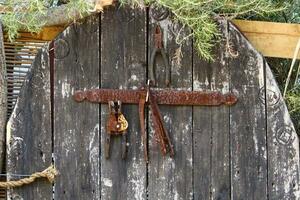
(50, 173)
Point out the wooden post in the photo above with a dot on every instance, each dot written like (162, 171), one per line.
(175, 175)
(76, 146)
(29, 142)
(3, 98)
(249, 150)
(123, 61)
(211, 129)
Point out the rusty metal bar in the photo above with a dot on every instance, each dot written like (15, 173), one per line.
(166, 97)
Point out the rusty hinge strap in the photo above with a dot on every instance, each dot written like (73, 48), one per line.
(166, 97)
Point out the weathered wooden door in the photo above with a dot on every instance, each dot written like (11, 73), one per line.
(247, 151)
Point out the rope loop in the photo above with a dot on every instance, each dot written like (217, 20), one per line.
(50, 173)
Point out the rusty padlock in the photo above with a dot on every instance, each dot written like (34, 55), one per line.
(116, 125)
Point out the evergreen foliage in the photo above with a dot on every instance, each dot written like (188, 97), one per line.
(27, 14)
(198, 15)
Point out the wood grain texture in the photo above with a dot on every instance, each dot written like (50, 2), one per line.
(247, 122)
(211, 128)
(283, 145)
(202, 130)
(171, 178)
(123, 66)
(220, 133)
(76, 126)
(3, 100)
(247, 151)
(29, 132)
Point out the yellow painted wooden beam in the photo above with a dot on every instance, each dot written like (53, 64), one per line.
(271, 39)
(47, 34)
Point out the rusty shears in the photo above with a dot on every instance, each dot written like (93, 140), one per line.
(158, 48)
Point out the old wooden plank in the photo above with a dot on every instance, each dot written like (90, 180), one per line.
(277, 46)
(29, 132)
(220, 133)
(247, 121)
(271, 39)
(171, 178)
(123, 60)
(272, 28)
(211, 128)
(202, 130)
(3, 100)
(76, 126)
(283, 145)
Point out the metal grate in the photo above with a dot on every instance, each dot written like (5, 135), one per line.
(19, 56)
(2, 194)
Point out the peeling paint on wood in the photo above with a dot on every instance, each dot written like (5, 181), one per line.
(172, 178)
(29, 132)
(123, 66)
(211, 128)
(247, 122)
(283, 145)
(76, 126)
